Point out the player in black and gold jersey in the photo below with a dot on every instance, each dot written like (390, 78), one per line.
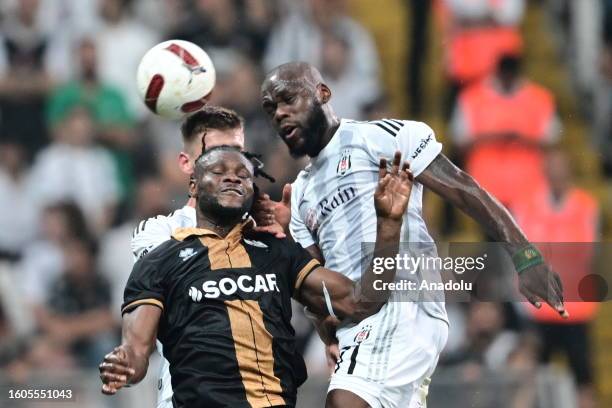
(218, 296)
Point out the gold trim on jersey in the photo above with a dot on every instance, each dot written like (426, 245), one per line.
(303, 273)
(225, 252)
(222, 254)
(235, 235)
(253, 345)
(150, 301)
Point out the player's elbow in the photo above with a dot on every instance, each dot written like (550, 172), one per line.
(467, 190)
(359, 308)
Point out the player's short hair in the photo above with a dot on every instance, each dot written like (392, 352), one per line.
(210, 117)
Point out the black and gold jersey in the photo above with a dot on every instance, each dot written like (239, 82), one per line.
(225, 326)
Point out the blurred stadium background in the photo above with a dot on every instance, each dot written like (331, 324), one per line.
(82, 162)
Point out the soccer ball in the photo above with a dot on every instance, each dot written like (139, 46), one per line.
(175, 78)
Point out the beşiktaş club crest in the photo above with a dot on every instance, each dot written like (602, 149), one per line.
(345, 162)
(363, 334)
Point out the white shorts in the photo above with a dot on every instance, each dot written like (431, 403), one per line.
(165, 403)
(388, 358)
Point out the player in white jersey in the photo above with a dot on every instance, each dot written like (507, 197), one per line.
(386, 360)
(210, 127)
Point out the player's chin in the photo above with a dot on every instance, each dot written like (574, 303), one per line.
(297, 150)
(231, 201)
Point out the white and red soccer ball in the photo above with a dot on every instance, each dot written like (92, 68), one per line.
(175, 78)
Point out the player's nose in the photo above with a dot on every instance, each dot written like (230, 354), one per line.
(280, 113)
(231, 177)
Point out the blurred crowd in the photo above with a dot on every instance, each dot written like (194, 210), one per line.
(82, 161)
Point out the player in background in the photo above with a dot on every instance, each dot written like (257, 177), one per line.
(210, 127)
(331, 216)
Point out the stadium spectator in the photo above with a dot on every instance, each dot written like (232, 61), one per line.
(27, 57)
(106, 102)
(43, 260)
(501, 126)
(564, 220)
(73, 168)
(115, 260)
(489, 348)
(603, 93)
(418, 37)
(241, 26)
(78, 315)
(17, 211)
(336, 51)
(121, 41)
(300, 37)
(478, 33)
(110, 112)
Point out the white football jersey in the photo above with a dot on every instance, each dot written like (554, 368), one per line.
(332, 201)
(147, 236)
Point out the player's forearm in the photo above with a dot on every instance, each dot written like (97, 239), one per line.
(461, 190)
(138, 337)
(492, 216)
(368, 299)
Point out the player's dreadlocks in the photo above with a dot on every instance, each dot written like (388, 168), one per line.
(258, 166)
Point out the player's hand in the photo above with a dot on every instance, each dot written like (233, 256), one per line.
(541, 283)
(332, 355)
(263, 210)
(271, 216)
(282, 209)
(393, 191)
(115, 370)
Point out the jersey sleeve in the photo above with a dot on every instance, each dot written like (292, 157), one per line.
(301, 263)
(146, 284)
(149, 234)
(297, 227)
(418, 145)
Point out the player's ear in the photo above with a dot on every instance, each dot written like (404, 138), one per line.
(185, 163)
(324, 93)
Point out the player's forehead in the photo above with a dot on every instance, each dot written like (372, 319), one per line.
(224, 137)
(277, 84)
(226, 158)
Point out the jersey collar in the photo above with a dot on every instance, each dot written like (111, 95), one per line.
(235, 234)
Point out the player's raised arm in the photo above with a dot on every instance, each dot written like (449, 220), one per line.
(536, 280)
(141, 310)
(327, 292)
(128, 363)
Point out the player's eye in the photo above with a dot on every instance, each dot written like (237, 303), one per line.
(269, 108)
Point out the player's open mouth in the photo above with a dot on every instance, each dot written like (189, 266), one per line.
(288, 131)
(232, 191)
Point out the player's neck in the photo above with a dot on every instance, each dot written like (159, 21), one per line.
(219, 227)
(333, 123)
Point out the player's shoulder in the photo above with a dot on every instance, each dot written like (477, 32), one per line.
(386, 128)
(151, 232)
(183, 217)
(157, 224)
(163, 252)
